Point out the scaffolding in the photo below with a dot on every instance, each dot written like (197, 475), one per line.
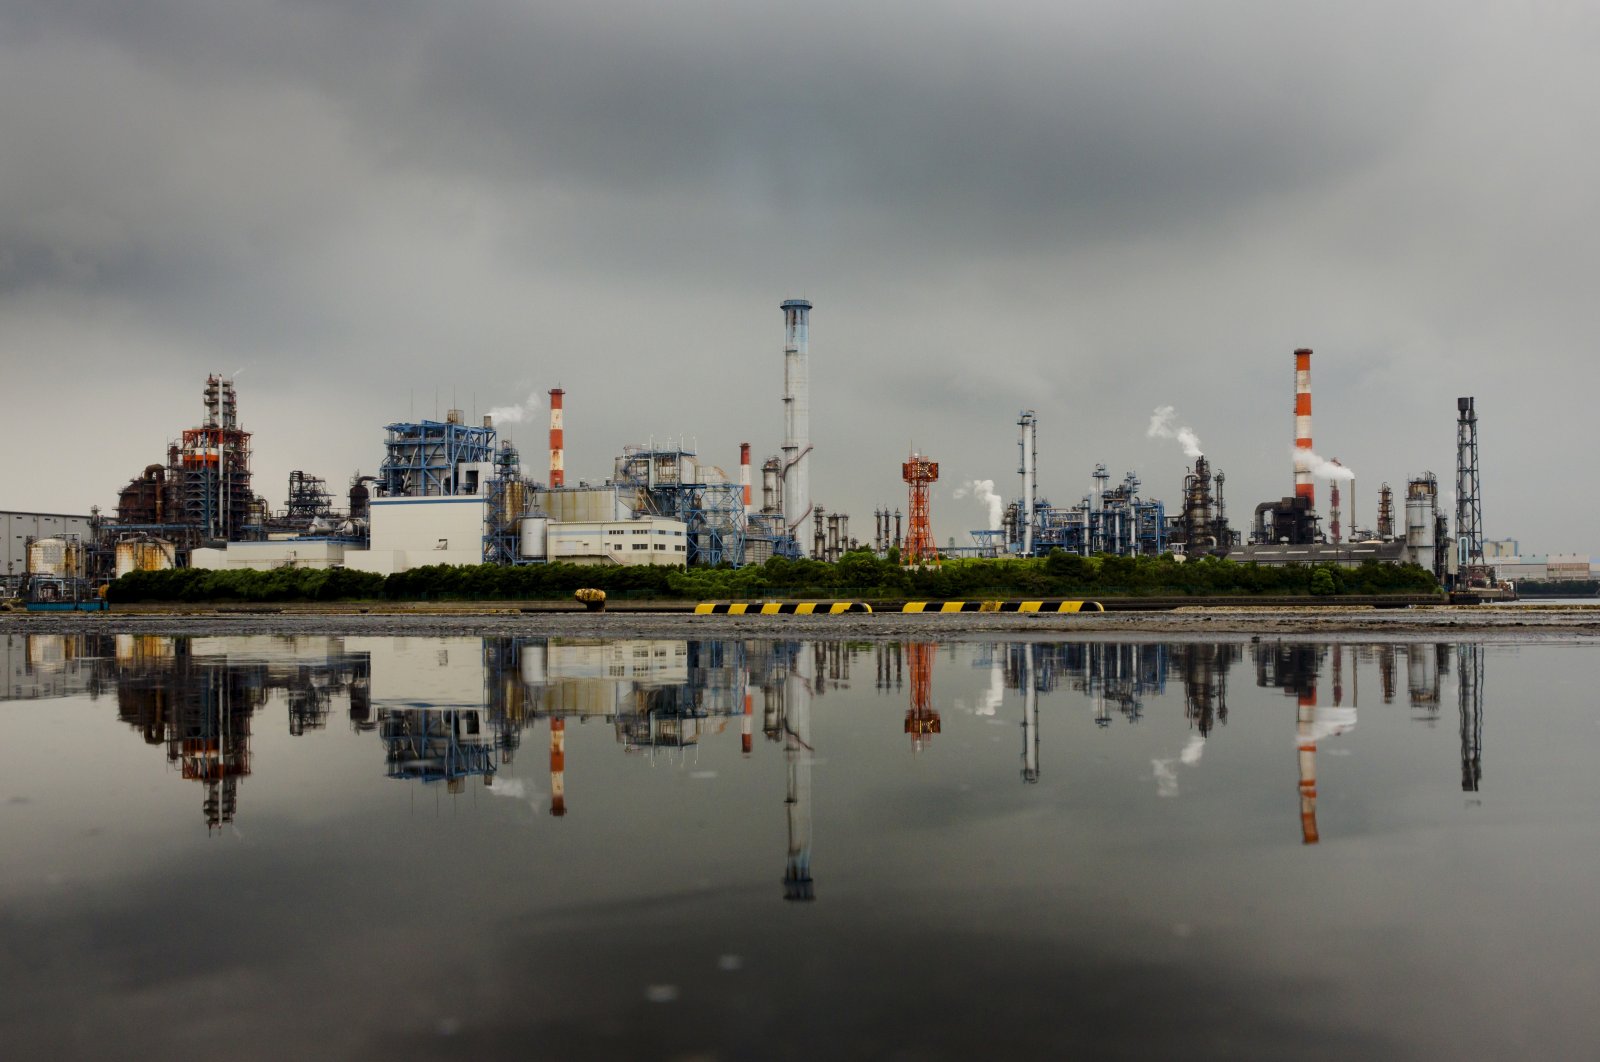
(425, 459)
(434, 745)
(508, 499)
(671, 482)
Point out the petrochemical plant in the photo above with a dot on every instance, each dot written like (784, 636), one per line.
(450, 492)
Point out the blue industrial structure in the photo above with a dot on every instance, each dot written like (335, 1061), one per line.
(425, 459)
(1108, 520)
(670, 482)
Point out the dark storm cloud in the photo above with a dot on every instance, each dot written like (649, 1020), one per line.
(1091, 208)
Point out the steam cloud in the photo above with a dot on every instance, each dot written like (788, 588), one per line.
(516, 414)
(1163, 425)
(1322, 468)
(983, 491)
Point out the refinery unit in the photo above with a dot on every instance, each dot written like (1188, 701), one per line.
(1118, 520)
(446, 492)
(450, 492)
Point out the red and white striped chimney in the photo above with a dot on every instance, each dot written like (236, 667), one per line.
(558, 442)
(744, 474)
(1303, 487)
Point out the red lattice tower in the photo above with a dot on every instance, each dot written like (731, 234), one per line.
(918, 473)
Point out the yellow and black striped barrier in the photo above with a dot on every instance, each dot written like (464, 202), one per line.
(780, 608)
(1002, 606)
(835, 608)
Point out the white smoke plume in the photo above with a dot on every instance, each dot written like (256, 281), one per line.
(983, 491)
(516, 414)
(1323, 468)
(1164, 425)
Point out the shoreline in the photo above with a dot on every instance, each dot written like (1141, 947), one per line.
(1523, 622)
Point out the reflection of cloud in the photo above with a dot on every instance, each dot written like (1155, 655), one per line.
(1166, 776)
(989, 701)
(516, 789)
(996, 692)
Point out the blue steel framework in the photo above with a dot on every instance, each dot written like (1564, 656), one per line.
(420, 460)
(1122, 524)
(667, 483)
(433, 745)
(506, 504)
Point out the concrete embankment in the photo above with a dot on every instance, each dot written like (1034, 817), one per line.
(1425, 622)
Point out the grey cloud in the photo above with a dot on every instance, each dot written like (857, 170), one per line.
(1093, 209)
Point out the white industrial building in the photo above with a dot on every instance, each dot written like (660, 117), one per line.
(285, 552)
(646, 540)
(413, 532)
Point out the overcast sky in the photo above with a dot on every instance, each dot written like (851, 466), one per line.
(372, 208)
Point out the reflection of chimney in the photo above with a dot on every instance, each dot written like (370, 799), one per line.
(744, 734)
(558, 767)
(1308, 768)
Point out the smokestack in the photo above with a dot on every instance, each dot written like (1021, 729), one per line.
(796, 412)
(558, 442)
(1303, 487)
(744, 475)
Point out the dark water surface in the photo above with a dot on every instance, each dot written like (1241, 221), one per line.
(414, 847)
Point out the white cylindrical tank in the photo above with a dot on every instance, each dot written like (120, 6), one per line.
(55, 556)
(535, 537)
(144, 555)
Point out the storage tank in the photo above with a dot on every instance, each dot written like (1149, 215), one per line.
(144, 555)
(55, 556)
(535, 537)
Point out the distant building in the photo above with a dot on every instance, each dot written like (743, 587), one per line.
(1501, 547)
(18, 528)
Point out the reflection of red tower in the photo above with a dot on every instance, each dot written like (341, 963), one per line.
(1308, 767)
(918, 473)
(558, 767)
(921, 720)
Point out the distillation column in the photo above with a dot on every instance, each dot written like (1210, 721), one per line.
(1028, 426)
(796, 413)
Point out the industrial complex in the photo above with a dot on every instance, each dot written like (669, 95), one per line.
(457, 493)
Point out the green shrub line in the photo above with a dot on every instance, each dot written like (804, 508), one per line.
(856, 575)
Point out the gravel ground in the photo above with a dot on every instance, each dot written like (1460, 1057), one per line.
(1521, 622)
